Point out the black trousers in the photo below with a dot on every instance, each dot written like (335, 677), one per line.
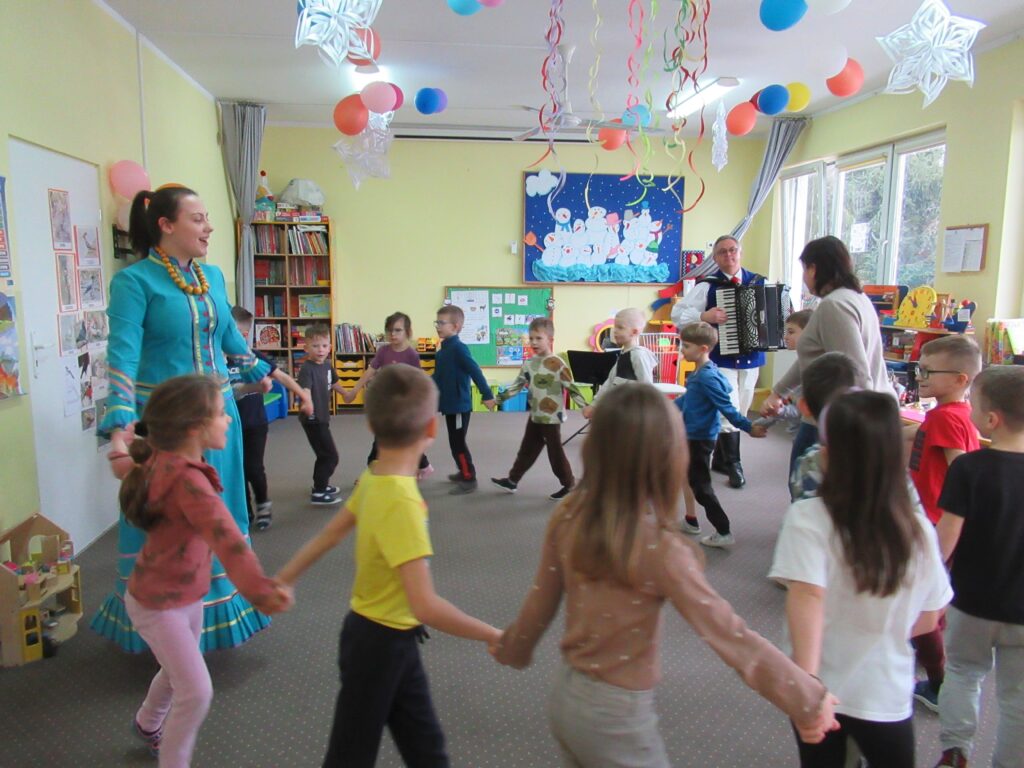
(372, 457)
(254, 445)
(383, 683)
(699, 476)
(536, 437)
(457, 442)
(884, 745)
(318, 434)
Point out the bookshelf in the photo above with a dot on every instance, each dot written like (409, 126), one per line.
(292, 268)
(353, 351)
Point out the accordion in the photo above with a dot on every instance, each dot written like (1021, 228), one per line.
(756, 318)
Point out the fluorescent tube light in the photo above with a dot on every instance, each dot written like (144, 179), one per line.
(706, 95)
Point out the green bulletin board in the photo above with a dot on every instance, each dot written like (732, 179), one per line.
(498, 319)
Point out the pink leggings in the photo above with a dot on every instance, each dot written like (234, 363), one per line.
(180, 694)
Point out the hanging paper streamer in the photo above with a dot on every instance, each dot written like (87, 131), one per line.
(934, 48)
(595, 68)
(366, 154)
(334, 27)
(719, 140)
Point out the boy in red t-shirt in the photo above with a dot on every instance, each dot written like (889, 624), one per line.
(947, 367)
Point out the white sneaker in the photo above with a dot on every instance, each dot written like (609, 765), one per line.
(716, 539)
(688, 527)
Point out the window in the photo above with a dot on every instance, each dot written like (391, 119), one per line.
(883, 203)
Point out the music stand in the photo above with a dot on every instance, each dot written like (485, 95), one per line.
(590, 368)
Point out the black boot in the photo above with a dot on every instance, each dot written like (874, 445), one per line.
(731, 442)
(720, 457)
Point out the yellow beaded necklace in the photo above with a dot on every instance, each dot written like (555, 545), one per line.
(195, 290)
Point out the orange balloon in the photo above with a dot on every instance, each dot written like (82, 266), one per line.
(741, 119)
(372, 42)
(848, 81)
(612, 138)
(351, 115)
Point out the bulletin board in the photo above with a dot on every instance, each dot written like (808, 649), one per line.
(498, 320)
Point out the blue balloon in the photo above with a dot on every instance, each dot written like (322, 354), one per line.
(778, 15)
(427, 101)
(773, 99)
(637, 114)
(464, 7)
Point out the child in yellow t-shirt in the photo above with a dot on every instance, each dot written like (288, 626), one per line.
(393, 594)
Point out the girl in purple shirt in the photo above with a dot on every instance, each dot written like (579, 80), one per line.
(398, 331)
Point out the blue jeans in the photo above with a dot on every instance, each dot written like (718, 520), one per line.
(806, 436)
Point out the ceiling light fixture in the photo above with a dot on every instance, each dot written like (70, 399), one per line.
(681, 107)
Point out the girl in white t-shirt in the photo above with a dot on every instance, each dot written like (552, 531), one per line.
(864, 576)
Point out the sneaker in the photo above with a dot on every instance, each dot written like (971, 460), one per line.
(323, 497)
(952, 758)
(463, 487)
(561, 493)
(424, 473)
(333, 489)
(505, 483)
(927, 695)
(717, 539)
(263, 516)
(455, 477)
(152, 738)
(691, 528)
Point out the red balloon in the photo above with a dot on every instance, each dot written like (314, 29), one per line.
(399, 97)
(849, 80)
(612, 138)
(351, 115)
(741, 119)
(372, 42)
(754, 100)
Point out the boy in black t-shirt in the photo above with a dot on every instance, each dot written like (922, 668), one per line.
(318, 377)
(982, 505)
(252, 417)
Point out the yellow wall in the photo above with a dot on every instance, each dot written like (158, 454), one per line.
(984, 172)
(85, 103)
(450, 210)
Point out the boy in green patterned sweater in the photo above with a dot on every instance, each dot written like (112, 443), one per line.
(546, 377)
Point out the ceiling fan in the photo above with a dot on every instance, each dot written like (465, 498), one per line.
(566, 119)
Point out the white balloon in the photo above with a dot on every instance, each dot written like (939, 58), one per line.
(833, 60)
(827, 7)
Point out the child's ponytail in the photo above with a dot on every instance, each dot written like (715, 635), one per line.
(176, 408)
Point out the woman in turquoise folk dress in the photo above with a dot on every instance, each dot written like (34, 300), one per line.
(170, 316)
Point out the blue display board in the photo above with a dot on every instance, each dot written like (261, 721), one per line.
(600, 228)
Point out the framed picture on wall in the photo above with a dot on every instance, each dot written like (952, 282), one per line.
(87, 246)
(601, 229)
(60, 220)
(67, 281)
(90, 288)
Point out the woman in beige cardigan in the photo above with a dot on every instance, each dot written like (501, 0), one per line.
(844, 321)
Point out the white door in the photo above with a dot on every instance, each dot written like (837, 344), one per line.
(76, 489)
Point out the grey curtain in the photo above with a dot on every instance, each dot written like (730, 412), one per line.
(781, 140)
(242, 130)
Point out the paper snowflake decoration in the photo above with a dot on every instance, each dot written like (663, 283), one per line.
(719, 139)
(366, 154)
(932, 49)
(334, 27)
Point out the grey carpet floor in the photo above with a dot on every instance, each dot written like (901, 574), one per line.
(274, 697)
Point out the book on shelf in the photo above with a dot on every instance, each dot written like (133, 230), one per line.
(267, 336)
(308, 239)
(268, 271)
(350, 338)
(267, 240)
(314, 305)
(309, 270)
(269, 305)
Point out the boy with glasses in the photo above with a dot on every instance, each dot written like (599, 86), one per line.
(947, 367)
(453, 369)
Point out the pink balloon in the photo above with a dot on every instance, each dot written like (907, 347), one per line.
(399, 97)
(128, 178)
(490, 3)
(379, 97)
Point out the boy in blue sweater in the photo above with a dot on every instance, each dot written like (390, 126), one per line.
(453, 368)
(707, 396)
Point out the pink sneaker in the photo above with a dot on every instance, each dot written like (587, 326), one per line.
(424, 473)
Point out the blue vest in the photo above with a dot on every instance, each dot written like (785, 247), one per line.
(754, 359)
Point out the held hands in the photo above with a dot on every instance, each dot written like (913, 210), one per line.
(266, 384)
(120, 440)
(280, 600)
(491, 405)
(588, 411)
(826, 721)
(758, 430)
(715, 316)
(306, 403)
(772, 405)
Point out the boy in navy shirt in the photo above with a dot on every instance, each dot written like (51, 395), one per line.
(707, 396)
(453, 368)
